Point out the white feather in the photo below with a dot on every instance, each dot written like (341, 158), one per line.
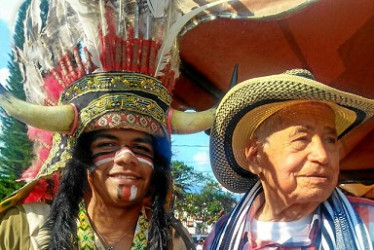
(158, 7)
(88, 12)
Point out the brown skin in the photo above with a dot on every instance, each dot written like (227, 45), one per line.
(295, 153)
(114, 217)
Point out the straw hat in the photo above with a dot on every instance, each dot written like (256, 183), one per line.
(251, 102)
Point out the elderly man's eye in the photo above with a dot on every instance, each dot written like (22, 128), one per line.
(302, 139)
(331, 140)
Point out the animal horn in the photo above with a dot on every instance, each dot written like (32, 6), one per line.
(191, 122)
(234, 76)
(52, 118)
(188, 122)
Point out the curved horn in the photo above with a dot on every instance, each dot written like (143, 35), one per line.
(191, 122)
(52, 118)
(187, 123)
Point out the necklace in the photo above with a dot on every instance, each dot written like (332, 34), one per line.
(86, 238)
(106, 245)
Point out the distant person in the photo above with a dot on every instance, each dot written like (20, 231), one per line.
(200, 244)
(277, 139)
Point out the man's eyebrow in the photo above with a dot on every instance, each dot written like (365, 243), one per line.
(103, 136)
(331, 130)
(301, 129)
(305, 129)
(147, 140)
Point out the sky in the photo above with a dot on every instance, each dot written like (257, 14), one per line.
(191, 149)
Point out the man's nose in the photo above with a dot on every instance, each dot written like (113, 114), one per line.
(124, 156)
(318, 151)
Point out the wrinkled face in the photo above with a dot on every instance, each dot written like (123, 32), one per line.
(123, 165)
(299, 159)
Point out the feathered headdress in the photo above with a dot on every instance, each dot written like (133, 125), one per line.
(94, 64)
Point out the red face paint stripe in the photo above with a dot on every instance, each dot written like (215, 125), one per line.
(123, 192)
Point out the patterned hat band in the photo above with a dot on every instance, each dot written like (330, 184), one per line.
(127, 120)
(112, 82)
(119, 99)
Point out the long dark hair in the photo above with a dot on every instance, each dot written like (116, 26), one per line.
(61, 221)
(159, 235)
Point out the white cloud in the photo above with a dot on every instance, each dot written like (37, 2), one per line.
(201, 158)
(8, 10)
(4, 74)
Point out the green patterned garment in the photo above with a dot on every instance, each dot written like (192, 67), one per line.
(86, 238)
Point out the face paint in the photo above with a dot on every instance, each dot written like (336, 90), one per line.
(125, 150)
(127, 193)
(101, 159)
(134, 191)
(146, 161)
(106, 157)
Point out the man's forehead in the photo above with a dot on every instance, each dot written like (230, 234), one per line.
(306, 111)
(303, 116)
(123, 133)
(310, 128)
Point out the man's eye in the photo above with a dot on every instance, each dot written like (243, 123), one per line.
(105, 144)
(105, 147)
(301, 142)
(142, 150)
(302, 139)
(331, 140)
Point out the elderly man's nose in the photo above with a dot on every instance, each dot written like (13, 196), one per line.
(318, 151)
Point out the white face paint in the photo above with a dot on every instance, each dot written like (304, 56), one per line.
(134, 191)
(142, 160)
(122, 152)
(125, 150)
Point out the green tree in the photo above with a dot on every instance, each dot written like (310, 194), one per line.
(185, 179)
(210, 204)
(15, 147)
(199, 196)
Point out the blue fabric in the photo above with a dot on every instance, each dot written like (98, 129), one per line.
(341, 227)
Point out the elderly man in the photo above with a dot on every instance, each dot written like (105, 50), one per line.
(277, 138)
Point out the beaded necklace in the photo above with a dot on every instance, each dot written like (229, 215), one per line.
(86, 238)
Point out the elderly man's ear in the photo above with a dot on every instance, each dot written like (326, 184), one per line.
(251, 152)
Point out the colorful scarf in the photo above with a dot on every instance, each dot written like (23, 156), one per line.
(86, 238)
(341, 227)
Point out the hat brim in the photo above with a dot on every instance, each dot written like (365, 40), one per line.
(251, 102)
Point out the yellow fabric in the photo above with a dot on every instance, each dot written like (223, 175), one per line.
(14, 230)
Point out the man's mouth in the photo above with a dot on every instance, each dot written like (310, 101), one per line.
(124, 179)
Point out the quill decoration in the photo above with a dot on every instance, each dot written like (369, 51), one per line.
(158, 7)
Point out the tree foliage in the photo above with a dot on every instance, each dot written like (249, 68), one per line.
(15, 147)
(185, 179)
(199, 196)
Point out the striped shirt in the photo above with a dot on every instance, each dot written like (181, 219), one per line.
(305, 240)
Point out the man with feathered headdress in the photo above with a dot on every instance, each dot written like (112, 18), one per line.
(100, 76)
